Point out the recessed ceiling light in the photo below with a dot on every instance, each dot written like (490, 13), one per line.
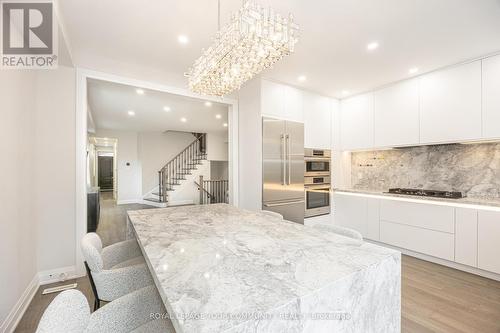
(208, 104)
(413, 70)
(225, 124)
(302, 78)
(183, 119)
(139, 91)
(183, 39)
(372, 46)
(345, 92)
(131, 113)
(166, 108)
(218, 116)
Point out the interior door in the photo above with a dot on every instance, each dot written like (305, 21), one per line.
(105, 167)
(295, 159)
(273, 163)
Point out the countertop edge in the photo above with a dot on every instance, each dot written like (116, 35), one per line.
(460, 203)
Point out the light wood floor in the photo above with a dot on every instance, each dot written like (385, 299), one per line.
(435, 298)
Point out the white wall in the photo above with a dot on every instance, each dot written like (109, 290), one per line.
(187, 192)
(217, 146)
(155, 149)
(129, 177)
(250, 146)
(54, 168)
(17, 224)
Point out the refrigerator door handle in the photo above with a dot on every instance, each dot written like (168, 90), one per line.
(284, 203)
(283, 157)
(289, 160)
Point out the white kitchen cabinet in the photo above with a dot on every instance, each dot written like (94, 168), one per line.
(281, 101)
(420, 215)
(372, 219)
(272, 99)
(488, 241)
(396, 115)
(317, 121)
(358, 213)
(466, 236)
(357, 122)
(430, 242)
(491, 97)
(293, 104)
(450, 104)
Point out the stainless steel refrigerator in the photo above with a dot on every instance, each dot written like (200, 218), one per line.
(283, 168)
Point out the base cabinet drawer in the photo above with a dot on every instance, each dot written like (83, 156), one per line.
(488, 241)
(434, 243)
(433, 217)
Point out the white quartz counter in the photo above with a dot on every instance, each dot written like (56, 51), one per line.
(222, 269)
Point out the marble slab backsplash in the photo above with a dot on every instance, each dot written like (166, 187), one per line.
(473, 169)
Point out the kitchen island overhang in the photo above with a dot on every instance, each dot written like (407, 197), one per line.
(219, 268)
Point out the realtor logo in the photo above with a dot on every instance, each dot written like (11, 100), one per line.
(29, 35)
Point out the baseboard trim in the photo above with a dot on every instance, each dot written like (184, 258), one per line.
(10, 323)
(57, 275)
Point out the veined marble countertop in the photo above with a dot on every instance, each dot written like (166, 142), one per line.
(480, 202)
(214, 264)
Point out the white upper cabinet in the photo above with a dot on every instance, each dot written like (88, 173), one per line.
(294, 102)
(317, 121)
(491, 97)
(281, 101)
(357, 122)
(450, 104)
(273, 95)
(396, 115)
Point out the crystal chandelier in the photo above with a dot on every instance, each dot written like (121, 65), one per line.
(255, 39)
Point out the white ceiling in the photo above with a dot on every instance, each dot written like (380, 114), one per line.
(140, 37)
(110, 103)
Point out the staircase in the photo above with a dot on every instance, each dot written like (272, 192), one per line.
(176, 170)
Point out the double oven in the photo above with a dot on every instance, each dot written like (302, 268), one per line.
(317, 182)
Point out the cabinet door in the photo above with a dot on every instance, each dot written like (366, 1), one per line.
(350, 212)
(488, 241)
(272, 99)
(293, 105)
(491, 97)
(466, 236)
(358, 213)
(396, 115)
(317, 121)
(357, 122)
(450, 104)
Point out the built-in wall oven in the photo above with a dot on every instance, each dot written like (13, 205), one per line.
(317, 182)
(317, 162)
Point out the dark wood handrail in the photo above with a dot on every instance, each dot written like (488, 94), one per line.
(200, 187)
(184, 150)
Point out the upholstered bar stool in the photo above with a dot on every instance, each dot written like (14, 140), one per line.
(115, 270)
(69, 312)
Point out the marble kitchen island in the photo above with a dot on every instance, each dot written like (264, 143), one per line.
(219, 268)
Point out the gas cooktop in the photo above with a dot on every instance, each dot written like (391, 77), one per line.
(427, 193)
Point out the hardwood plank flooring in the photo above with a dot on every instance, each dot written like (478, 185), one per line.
(112, 228)
(435, 298)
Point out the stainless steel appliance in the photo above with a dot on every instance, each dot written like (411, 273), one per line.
(317, 162)
(317, 195)
(283, 168)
